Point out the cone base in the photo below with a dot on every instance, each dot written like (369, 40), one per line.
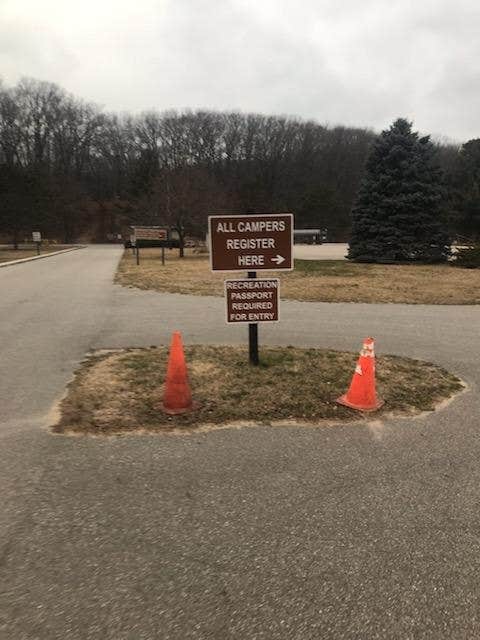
(346, 403)
(179, 410)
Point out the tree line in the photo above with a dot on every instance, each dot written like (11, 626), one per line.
(75, 172)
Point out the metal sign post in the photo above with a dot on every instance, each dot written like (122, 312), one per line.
(253, 335)
(37, 238)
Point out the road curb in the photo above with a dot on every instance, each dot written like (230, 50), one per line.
(45, 255)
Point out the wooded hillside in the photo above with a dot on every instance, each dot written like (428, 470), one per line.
(74, 172)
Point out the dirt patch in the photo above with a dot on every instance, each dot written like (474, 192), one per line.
(120, 392)
(312, 280)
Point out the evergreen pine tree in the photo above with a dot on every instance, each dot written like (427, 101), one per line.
(397, 215)
(466, 183)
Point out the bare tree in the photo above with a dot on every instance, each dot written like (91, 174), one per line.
(182, 199)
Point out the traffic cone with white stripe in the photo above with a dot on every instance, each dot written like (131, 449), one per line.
(362, 394)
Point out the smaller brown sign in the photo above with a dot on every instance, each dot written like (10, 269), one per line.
(150, 233)
(253, 300)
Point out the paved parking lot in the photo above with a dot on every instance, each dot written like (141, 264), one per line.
(326, 251)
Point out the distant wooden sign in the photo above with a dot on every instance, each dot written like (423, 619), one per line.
(150, 233)
(253, 300)
(251, 242)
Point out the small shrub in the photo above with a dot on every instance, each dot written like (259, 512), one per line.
(468, 258)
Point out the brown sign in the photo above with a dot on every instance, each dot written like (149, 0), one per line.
(252, 243)
(254, 300)
(150, 233)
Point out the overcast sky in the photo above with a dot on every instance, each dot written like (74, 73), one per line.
(353, 62)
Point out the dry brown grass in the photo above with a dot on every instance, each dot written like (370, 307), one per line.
(7, 255)
(316, 281)
(121, 391)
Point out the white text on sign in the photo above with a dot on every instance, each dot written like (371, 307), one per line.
(252, 300)
(251, 242)
(251, 225)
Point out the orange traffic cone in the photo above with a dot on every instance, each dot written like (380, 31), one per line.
(361, 394)
(177, 397)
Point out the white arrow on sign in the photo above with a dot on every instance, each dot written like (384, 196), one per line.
(278, 259)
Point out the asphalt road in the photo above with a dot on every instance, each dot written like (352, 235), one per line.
(368, 531)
